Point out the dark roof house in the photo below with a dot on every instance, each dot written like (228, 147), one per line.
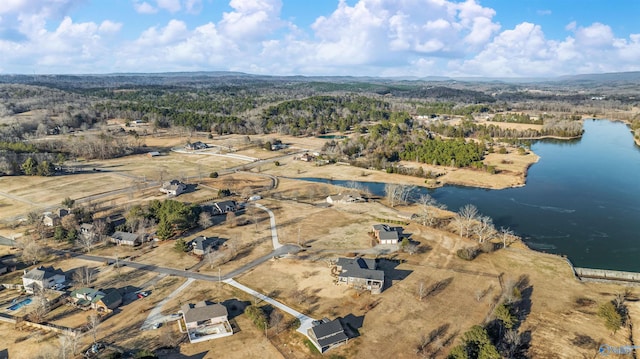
(201, 245)
(328, 335)
(360, 273)
(125, 238)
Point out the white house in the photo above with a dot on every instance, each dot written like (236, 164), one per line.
(173, 187)
(42, 278)
(205, 321)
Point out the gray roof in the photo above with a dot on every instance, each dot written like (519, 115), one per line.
(41, 273)
(202, 243)
(329, 333)
(203, 311)
(111, 299)
(389, 235)
(360, 268)
(124, 236)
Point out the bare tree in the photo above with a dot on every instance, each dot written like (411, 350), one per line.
(93, 321)
(205, 220)
(68, 345)
(484, 229)
(32, 250)
(99, 229)
(505, 234)
(398, 193)
(69, 222)
(428, 206)
(86, 240)
(40, 307)
(83, 276)
(466, 218)
(276, 320)
(231, 219)
(422, 290)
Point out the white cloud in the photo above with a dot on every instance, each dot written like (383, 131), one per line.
(109, 27)
(193, 6)
(144, 8)
(251, 19)
(170, 5)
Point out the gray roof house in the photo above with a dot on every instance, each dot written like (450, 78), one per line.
(173, 187)
(328, 335)
(42, 278)
(201, 245)
(360, 273)
(125, 239)
(224, 207)
(205, 321)
(386, 234)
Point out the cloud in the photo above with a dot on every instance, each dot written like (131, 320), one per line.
(109, 27)
(251, 19)
(144, 8)
(172, 6)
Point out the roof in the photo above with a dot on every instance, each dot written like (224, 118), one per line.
(88, 227)
(224, 204)
(111, 299)
(201, 243)
(360, 268)
(41, 273)
(124, 236)
(203, 311)
(389, 235)
(329, 333)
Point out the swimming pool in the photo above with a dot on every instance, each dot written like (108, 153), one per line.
(20, 304)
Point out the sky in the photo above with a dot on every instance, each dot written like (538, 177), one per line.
(385, 38)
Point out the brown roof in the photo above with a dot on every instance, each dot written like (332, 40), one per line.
(203, 311)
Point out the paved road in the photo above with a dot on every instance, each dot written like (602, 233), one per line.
(156, 316)
(274, 230)
(305, 321)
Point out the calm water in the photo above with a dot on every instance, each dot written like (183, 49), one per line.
(582, 199)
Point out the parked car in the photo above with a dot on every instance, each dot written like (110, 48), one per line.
(142, 294)
(157, 325)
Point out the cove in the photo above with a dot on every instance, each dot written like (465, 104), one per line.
(582, 198)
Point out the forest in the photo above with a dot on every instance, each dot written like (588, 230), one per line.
(381, 112)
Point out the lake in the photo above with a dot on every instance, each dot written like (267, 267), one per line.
(582, 199)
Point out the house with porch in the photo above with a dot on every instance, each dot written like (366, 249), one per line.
(202, 245)
(42, 278)
(103, 302)
(224, 207)
(360, 273)
(205, 321)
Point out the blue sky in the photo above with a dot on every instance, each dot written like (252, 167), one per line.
(489, 38)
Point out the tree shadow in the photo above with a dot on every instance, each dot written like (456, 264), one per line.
(235, 307)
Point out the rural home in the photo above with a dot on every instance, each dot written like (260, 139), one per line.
(328, 335)
(386, 234)
(201, 245)
(52, 219)
(224, 207)
(125, 239)
(86, 228)
(360, 273)
(306, 157)
(198, 145)
(42, 278)
(205, 321)
(344, 198)
(173, 187)
(96, 299)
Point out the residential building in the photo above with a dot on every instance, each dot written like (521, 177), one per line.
(52, 219)
(328, 335)
(344, 198)
(42, 278)
(205, 321)
(173, 187)
(360, 273)
(386, 234)
(201, 245)
(104, 302)
(198, 145)
(224, 207)
(125, 239)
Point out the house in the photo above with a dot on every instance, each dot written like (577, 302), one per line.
(224, 207)
(52, 219)
(173, 187)
(96, 299)
(386, 234)
(125, 239)
(360, 273)
(344, 198)
(306, 157)
(42, 278)
(198, 145)
(205, 321)
(201, 245)
(328, 335)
